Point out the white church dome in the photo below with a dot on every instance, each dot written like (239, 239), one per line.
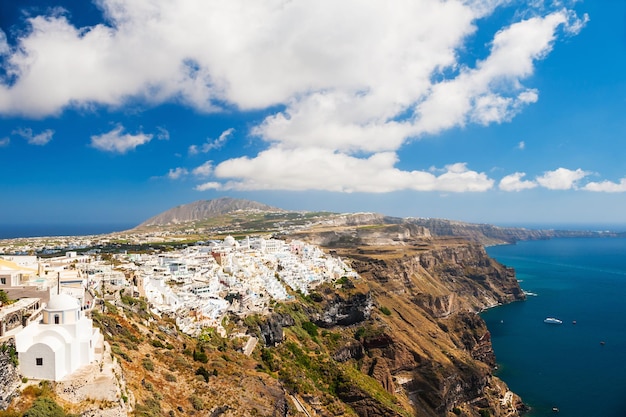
(62, 302)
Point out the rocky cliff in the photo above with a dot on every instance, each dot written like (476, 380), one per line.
(488, 234)
(426, 341)
(9, 376)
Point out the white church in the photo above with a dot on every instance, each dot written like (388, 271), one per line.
(62, 342)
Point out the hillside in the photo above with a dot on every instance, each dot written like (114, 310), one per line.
(404, 339)
(241, 217)
(206, 209)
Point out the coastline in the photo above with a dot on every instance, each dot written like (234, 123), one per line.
(27, 231)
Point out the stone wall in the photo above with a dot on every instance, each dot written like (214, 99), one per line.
(9, 376)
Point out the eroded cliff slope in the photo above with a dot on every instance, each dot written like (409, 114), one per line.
(425, 341)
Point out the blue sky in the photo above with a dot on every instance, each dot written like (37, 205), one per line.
(496, 111)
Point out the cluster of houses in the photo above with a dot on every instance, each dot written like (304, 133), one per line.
(199, 285)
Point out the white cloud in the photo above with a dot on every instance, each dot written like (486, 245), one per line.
(203, 170)
(322, 169)
(561, 178)
(607, 186)
(4, 46)
(212, 143)
(119, 142)
(39, 139)
(162, 134)
(177, 173)
(492, 91)
(209, 186)
(272, 52)
(514, 182)
(5, 142)
(521, 145)
(352, 77)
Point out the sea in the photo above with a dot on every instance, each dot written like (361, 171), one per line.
(578, 367)
(11, 231)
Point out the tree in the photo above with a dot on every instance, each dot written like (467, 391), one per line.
(4, 298)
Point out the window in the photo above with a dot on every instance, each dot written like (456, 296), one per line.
(39, 361)
(56, 319)
(3, 281)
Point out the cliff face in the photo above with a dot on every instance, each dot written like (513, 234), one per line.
(365, 229)
(425, 343)
(488, 234)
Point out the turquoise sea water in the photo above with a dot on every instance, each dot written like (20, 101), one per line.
(565, 366)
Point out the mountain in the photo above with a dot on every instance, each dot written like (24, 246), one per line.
(249, 217)
(206, 209)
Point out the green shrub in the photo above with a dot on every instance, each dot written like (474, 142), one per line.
(119, 352)
(152, 408)
(196, 403)
(11, 352)
(157, 343)
(4, 298)
(202, 371)
(44, 407)
(359, 333)
(147, 364)
(200, 356)
(310, 328)
(268, 359)
(385, 311)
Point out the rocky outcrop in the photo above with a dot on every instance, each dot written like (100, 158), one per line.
(349, 351)
(9, 375)
(345, 311)
(272, 329)
(363, 404)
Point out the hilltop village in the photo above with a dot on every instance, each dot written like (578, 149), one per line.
(198, 284)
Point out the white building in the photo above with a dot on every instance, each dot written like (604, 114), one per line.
(13, 274)
(61, 343)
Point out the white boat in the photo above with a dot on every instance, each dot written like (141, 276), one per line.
(552, 320)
